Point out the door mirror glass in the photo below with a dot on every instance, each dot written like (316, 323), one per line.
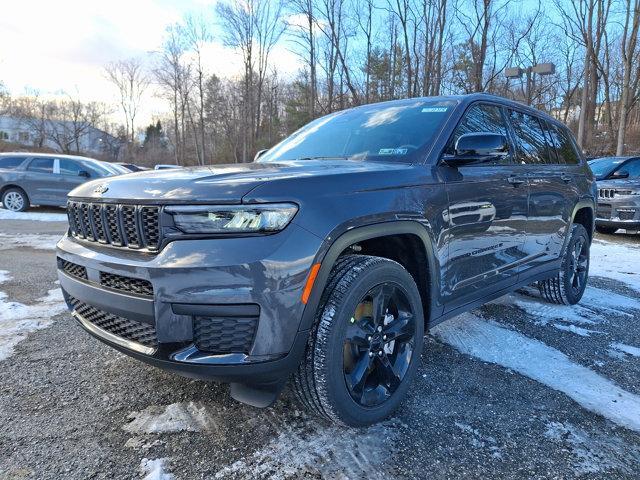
(478, 148)
(83, 173)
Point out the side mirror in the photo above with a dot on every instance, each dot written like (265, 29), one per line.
(478, 148)
(620, 174)
(83, 173)
(259, 153)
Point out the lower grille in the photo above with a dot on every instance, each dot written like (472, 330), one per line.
(224, 334)
(626, 214)
(73, 269)
(125, 328)
(126, 284)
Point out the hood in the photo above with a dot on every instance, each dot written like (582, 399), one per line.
(214, 184)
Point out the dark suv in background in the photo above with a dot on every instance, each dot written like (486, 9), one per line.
(618, 180)
(325, 261)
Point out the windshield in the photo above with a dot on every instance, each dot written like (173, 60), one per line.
(106, 169)
(602, 167)
(397, 131)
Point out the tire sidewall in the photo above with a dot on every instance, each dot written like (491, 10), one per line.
(347, 408)
(578, 231)
(25, 199)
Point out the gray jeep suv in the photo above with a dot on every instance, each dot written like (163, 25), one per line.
(325, 260)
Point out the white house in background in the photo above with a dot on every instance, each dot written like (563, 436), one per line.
(21, 131)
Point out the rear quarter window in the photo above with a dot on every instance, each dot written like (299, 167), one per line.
(566, 148)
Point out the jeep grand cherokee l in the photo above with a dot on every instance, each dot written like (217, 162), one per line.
(326, 259)
(618, 180)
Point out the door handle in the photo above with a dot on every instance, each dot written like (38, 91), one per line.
(566, 178)
(515, 181)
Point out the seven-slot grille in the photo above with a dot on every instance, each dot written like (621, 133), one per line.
(126, 328)
(119, 225)
(606, 192)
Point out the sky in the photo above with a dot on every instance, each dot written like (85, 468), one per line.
(56, 46)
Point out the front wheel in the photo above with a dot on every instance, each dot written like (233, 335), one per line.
(567, 287)
(366, 344)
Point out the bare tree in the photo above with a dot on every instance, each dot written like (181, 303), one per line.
(628, 44)
(131, 80)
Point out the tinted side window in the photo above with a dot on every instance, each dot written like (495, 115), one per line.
(566, 149)
(477, 119)
(11, 162)
(633, 167)
(69, 167)
(44, 165)
(531, 142)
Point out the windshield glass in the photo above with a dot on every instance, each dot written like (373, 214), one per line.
(394, 131)
(106, 169)
(602, 167)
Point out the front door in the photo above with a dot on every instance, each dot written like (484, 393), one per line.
(486, 217)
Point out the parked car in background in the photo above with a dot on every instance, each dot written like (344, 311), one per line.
(132, 167)
(165, 167)
(327, 259)
(618, 180)
(46, 179)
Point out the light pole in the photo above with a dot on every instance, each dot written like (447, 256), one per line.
(540, 69)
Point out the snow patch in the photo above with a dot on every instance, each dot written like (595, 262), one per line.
(329, 452)
(31, 215)
(619, 262)
(593, 453)
(177, 417)
(583, 332)
(155, 469)
(17, 319)
(628, 349)
(481, 441)
(492, 343)
(39, 242)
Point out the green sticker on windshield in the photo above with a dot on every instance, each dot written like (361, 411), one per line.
(392, 151)
(434, 109)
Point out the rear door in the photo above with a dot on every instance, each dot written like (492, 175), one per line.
(553, 191)
(486, 216)
(40, 181)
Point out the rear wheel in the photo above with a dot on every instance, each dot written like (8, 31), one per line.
(365, 347)
(567, 287)
(606, 230)
(15, 199)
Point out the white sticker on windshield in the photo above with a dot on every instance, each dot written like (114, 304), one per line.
(434, 109)
(392, 151)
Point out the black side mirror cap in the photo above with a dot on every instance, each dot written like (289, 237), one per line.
(478, 148)
(620, 174)
(259, 153)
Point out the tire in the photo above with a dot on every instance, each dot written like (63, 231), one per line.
(15, 199)
(567, 287)
(606, 230)
(345, 341)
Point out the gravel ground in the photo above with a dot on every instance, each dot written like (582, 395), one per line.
(517, 388)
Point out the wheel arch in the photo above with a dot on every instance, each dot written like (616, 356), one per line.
(584, 214)
(9, 186)
(381, 239)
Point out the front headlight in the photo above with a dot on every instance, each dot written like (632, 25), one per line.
(266, 217)
(635, 191)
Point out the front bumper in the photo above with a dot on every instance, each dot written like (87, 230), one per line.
(252, 284)
(618, 212)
